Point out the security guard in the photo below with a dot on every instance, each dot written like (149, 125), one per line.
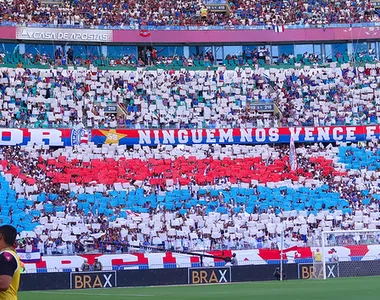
(98, 265)
(9, 264)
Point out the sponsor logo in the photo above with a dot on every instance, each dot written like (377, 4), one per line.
(202, 276)
(93, 280)
(7, 256)
(309, 271)
(79, 136)
(58, 34)
(144, 33)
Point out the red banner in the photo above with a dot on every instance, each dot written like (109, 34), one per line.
(235, 136)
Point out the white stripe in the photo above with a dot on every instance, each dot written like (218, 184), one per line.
(92, 294)
(126, 294)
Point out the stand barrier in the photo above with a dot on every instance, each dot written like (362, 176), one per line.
(181, 276)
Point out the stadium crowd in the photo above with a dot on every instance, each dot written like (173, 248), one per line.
(146, 59)
(151, 57)
(134, 14)
(183, 98)
(112, 198)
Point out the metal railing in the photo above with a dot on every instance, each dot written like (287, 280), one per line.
(197, 28)
(146, 267)
(192, 265)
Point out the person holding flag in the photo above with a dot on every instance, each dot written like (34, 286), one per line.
(293, 155)
(10, 265)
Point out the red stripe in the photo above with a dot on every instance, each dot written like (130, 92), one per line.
(246, 169)
(6, 133)
(26, 133)
(140, 260)
(169, 259)
(90, 257)
(66, 133)
(194, 259)
(66, 262)
(41, 264)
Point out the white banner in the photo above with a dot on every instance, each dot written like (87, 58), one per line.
(64, 34)
(29, 256)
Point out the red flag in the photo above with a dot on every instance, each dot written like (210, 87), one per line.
(144, 33)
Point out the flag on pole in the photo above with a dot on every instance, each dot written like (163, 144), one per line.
(293, 155)
(29, 257)
(278, 28)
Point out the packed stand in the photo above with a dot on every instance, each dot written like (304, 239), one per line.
(189, 99)
(261, 56)
(152, 58)
(56, 98)
(201, 197)
(134, 14)
(146, 58)
(328, 97)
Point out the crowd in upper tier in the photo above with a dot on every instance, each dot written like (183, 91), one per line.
(197, 197)
(134, 14)
(242, 97)
(151, 57)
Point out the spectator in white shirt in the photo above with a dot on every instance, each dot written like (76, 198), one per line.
(334, 255)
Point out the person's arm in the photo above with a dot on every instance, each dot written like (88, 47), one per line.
(5, 282)
(8, 266)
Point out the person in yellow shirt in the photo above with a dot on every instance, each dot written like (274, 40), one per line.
(203, 12)
(317, 256)
(9, 264)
